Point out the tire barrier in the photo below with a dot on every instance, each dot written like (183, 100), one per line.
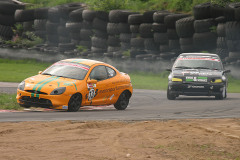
(152, 35)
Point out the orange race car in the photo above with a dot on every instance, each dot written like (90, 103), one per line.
(72, 83)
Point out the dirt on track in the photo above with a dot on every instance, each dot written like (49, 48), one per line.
(113, 140)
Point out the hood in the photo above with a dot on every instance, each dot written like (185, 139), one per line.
(197, 72)
(46, 83)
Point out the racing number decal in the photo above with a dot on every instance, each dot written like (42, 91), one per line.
(91, 92)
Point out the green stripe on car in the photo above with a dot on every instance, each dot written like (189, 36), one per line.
(43, 84)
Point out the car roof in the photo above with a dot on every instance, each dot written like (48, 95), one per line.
(199, 54)
(87, 62)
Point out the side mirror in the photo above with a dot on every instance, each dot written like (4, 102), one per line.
(227, 71)
(40, 72)
(92, 81)
(168, 69)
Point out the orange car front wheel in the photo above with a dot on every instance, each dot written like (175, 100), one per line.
(74, 103)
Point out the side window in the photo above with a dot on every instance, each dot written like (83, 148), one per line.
(99, 73)
(111, 72)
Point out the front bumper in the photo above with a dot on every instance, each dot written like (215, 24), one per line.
(43, 100)
(196, 89)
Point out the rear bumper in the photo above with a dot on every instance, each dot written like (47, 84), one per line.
(196, 89)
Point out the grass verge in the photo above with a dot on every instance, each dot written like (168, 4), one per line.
(8, 102)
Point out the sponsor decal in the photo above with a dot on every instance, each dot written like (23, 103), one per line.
(196, 79)
(73, 65)
(91, 85)
(64, 107)
(199, 58)
(111, 97)
(190, 86)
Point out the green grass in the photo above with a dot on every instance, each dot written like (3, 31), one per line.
(134, 5)
(18, 70)
(8, 102)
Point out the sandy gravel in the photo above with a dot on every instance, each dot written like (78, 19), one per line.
(205, 139)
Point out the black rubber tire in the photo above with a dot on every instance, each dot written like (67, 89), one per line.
(62, 47)
(222, 95)
(63, 31)
(6, 31)
(86, 25)
(103, 15)
(222, 52)
(75, 35)
(74, 103)
(7, 20)
(160, 38)
(159, 27)
(169, 95)
(159, 16)
(122, 101)
(40, 24)
(76, 15)
(172, 34)
(217, 11)
(124, 28)
(54, 14)
(145, 30)
(202, 11)
(86, 34)
(112, 28)
(229, 13)
(86, 44)
(232, 30)
(237, 11)
(135, 19)
(125, 46)
(221, 29)
(170, 20)
(204, 25)
(149, 44)
(41, 34)
(100, 24)
(99, 42)
(222, 43)
(8, 8)
(125, 37)
(233, 45)
(64, 39)
(185, 27)
(100, 34)
(205, 41)
(135, 52)
(174, 44)
(113, 41)
(41, 13)
(52, 38)
(137, 43)
(88, 15)
(235, 55)
(113, 49)
(28, 26)
(168, 55)
(74, 26)
(51, 27)
(188, 48)
(119, 16)
(148, 16)
(164, 48)
(186, 41)
(98, 50)
(134, 28)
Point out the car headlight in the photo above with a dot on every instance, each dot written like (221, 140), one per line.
(21, 86)
(176, 79)
(216, 80)
(58, 91)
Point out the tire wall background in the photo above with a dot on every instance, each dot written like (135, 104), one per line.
(152, 35)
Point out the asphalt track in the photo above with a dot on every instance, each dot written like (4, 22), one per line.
(144, 105)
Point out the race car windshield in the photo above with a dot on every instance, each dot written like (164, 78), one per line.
(67, 70)
(211, 64)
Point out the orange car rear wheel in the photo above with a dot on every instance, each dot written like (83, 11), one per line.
(122, 101)
(74, 103)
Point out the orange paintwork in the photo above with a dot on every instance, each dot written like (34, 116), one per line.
(108, 90)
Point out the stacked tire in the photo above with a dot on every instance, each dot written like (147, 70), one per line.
(185, 31)
(160, 33)
(100, 37)
(136, 42)
(7, 20)
(173, 38)
(222, 48)
(41, 16)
